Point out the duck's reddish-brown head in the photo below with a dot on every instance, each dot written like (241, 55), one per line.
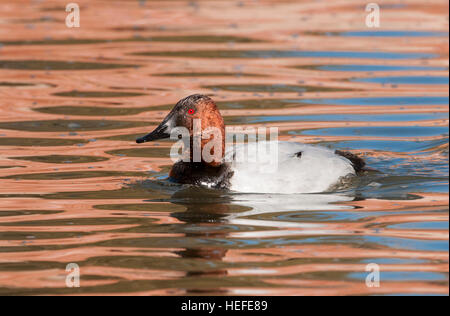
(195, 107)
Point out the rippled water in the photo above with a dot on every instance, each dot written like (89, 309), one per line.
(75, 188)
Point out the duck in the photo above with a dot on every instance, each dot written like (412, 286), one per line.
(287, 168)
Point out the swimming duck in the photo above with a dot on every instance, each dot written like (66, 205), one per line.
(300, 168)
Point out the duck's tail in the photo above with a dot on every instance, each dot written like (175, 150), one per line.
(358, 163)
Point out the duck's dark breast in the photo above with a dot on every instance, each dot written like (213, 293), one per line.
(198, 173)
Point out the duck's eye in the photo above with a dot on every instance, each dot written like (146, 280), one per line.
(191, 111)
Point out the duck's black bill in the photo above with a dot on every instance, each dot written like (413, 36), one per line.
(161, 132)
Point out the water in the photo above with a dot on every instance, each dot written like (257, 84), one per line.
(75, 188)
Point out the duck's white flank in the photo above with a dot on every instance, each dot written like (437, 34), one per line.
(284, 170)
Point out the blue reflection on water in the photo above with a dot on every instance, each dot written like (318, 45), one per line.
(385, 131)
(334, 54)
(371, 68)
(388, 145)
(428, 80)
(341, 117)
(421, 225)
(402, 276)
(392, 34)
(406, 100)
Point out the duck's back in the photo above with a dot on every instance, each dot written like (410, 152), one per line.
(287, 167)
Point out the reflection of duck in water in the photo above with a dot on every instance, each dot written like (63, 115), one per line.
(216, 226)
(300, 168)
(202, 221)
